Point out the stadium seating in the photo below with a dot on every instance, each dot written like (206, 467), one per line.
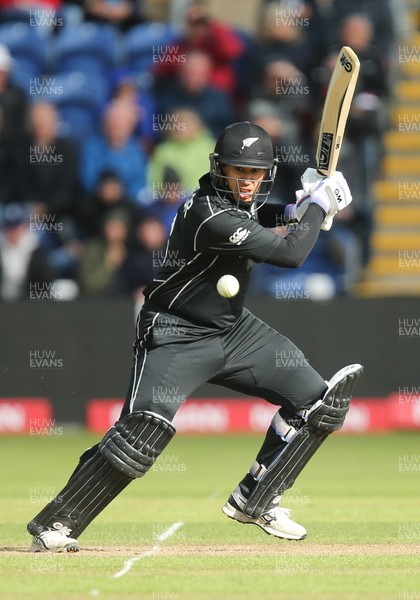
(393, 269)
(138, 43)
(29, 47)
(91, 48)
(79, 98)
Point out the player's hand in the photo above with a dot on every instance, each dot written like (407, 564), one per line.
(330, 193)
(313, 181)
(327, 222)
(310, 179)
(295, 212)
(336, 189)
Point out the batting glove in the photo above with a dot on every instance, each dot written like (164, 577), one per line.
(295, 212)
(330, 193)
(337, 191)
(333, 193)
(310, 179)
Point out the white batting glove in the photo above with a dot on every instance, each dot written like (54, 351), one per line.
(330, 193)
(336, 191)
(327, 222)
(310, 179)
(295, 212)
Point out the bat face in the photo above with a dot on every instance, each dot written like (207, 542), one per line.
(336, 109)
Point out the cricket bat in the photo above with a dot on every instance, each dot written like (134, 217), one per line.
(336, 109)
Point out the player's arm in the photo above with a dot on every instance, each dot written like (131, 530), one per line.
(272, 215)
(312, 211)
(292, 250)
(246, 238)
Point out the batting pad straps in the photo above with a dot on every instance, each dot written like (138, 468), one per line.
(286, 433)
(135, 442)
(282, 429)
(257, 471)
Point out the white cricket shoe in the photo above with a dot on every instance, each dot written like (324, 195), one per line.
(276, 521)
(53, 540)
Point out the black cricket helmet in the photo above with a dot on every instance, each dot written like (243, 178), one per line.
(243, 144)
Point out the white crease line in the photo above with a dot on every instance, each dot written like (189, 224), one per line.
(153, 550)
(170, 531)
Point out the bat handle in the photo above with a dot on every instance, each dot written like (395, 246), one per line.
(323, 173)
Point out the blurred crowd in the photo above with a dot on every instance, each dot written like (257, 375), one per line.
(107, 119)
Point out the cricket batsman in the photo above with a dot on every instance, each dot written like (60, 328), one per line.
(223, 228)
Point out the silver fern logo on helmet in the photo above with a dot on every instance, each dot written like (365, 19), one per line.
(247, 142)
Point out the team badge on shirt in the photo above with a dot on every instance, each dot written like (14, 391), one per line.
(239, 236)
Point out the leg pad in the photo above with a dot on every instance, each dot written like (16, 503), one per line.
(135, 441)
(126, 452)
(280, 475)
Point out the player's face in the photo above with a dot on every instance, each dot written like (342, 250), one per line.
(243, 182)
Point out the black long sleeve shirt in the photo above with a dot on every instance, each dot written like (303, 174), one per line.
(211, 237)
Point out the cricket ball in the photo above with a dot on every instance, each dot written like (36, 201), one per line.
(228, 286)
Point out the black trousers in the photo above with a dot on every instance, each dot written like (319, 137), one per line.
(173, 357)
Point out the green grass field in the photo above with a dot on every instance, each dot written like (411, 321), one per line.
(358, 499)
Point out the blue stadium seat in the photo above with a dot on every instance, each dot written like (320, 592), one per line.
(139, 43)
(29, 46)
(88, 48)
(77, 122)
(26, 74)
(79, 98)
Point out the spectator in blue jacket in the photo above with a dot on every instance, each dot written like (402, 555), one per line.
(116, 148)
